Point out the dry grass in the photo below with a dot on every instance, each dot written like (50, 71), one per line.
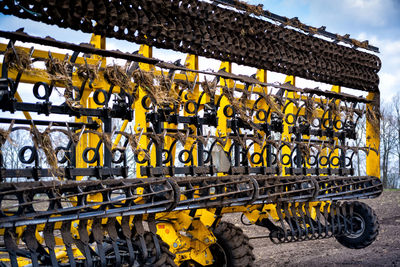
(58, 70)
(257, 10)
(373, 117)
(133, 141)
(69, 99)
(181, 137)
(74, 137)
(19, 60)
(310, 109)
(334, 108)
(87, 72)
(209, 88)
(104, 137)
(271, 102)
(43, 141)
(304, 150)
(5, 134)
(159, 88)
(115, 75)
(373, 113)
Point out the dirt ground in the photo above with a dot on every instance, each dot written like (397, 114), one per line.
(385, 251)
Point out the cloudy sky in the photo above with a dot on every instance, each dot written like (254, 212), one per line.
(375, 20)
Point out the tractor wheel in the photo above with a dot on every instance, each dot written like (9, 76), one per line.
(166, 258)
(365, 227)
(232, 248)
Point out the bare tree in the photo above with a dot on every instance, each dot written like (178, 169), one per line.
(388, 140)
(129, 154)
(10, 150)
(392, 181)
(360, 142)
(396, 118)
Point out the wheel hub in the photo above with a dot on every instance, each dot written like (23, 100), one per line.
(358, 226)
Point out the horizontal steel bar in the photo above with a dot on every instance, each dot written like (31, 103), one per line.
(78, 125)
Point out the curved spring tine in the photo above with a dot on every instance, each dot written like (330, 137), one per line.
(68, 241)
(48, 233)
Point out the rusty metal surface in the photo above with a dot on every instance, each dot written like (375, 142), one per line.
(70, 200)
(295, 23)
(84, 48)
(205, 29)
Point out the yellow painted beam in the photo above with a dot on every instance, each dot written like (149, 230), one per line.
(291, 108)
(372, 137)
(222, 129)
(261, 75)
(192, 62)
(335, 152)
(84, 141)
(37, 53)
(140, 111)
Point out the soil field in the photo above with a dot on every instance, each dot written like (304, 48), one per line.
(385, 251)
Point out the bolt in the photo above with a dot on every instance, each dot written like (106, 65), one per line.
(175, 245)
(206, 240)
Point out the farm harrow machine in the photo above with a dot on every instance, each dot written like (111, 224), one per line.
(135, 162)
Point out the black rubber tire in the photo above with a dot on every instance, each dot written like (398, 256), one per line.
(166, 259)
(369, 232)
(235, 244)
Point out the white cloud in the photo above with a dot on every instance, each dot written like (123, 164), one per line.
(373, 12)
(391, 47)
(390, 57)
(389, 84)
(343, 16)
